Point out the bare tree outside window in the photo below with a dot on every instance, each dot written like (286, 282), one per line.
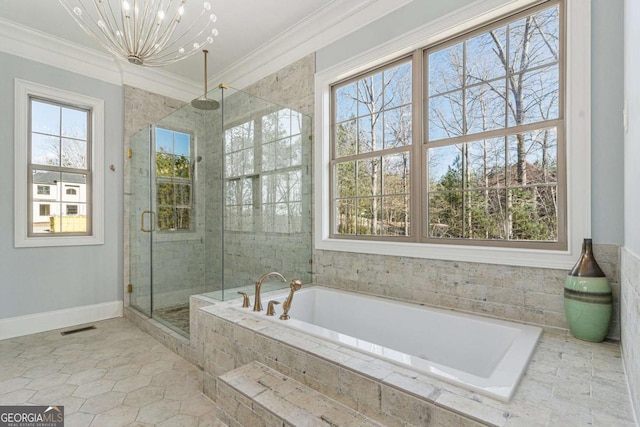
(372, 143)
(493, 127)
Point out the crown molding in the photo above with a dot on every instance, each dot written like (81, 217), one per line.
(37, 46)
(329, 24)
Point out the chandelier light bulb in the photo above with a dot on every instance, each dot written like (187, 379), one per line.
(213, 17)
(181, 10)
(196, 45)
(77, 11)
(161, 15)
(207, 5)
(125, 6)
(214, 32)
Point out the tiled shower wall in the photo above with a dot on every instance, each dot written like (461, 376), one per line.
(630, 318)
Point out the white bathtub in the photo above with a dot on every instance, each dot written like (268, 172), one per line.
(484, 355)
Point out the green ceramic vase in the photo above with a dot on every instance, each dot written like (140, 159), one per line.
(588, 298)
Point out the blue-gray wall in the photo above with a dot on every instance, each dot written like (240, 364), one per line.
(36, 280)
(607, 142)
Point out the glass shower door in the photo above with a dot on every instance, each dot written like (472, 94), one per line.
(141, 222)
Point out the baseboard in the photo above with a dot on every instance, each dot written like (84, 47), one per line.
(47, 321)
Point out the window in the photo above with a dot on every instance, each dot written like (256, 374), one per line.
(372, 142)
(71, 192)
(490, 141)
(59, 150)
(174, 179)
(492, 125)
(45, 210)
(59, 141)
(494, 129)
(72, 209)
(263, 173)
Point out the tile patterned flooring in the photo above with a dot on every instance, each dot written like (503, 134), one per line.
(115, 375)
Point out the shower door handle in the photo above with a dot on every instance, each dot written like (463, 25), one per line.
(152, 215)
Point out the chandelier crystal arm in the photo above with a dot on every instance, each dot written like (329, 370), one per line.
(141, 31)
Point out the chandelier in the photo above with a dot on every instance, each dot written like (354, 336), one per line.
(142, 31)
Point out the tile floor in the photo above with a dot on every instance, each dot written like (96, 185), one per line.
(115, 375)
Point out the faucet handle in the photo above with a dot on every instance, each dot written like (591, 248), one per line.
(245, 299)
(270, 309)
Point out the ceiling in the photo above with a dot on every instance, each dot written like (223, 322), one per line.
(244, 26)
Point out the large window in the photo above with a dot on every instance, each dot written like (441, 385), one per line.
(174, 179)
(493, 131)
(59, 145)
(489, 166)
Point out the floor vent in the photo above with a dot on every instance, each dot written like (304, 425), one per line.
(75, 331)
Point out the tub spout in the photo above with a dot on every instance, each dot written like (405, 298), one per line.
(257, 304)
(295, 286)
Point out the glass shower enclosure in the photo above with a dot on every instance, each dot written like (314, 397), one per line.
(217, 198)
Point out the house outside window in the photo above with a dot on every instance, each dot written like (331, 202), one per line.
(45, 210)
(489, 168)
(44, 190)
(174, 180)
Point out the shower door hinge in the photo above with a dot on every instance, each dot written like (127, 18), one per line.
(129, 288)
(129, 153)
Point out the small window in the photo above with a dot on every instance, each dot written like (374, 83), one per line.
(59, 143)
(44, 190)
(45, 210)
(72, 192)
(174, 179)
(59, 153)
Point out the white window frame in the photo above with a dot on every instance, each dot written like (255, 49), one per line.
(578, 137)
(23, 90)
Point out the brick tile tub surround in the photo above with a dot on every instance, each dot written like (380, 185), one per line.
(568, 382)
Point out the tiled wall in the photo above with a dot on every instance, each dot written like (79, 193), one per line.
(532, 295)
(630, 319)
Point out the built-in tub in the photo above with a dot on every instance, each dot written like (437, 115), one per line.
(481, 354)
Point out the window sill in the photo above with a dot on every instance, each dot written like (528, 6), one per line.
(478, 254)
(54, 241)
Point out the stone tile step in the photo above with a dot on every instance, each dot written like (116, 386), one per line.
(258, 396)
